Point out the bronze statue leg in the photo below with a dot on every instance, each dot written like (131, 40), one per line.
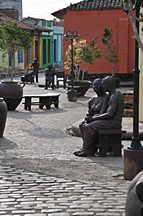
(90, 138)
(81, 129)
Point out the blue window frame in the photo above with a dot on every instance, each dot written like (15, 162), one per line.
(55, 50)
(20, 56)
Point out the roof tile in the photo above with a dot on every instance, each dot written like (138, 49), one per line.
(90, 5)
(96, 5)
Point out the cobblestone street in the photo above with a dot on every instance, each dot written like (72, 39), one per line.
(28, 193)
(39, 175)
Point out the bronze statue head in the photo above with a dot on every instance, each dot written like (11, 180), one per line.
(109, 83)
(97, 87)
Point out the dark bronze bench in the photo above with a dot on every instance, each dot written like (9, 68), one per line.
(43, 100)
(110, 142)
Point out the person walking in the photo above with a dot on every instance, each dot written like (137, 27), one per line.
(35, 66)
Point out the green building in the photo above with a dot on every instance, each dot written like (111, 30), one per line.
(50, 44)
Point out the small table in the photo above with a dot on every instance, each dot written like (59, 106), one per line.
(44, 100)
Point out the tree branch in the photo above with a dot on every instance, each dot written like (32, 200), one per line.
(132, 19)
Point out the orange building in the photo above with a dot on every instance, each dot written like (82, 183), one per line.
(89, 18)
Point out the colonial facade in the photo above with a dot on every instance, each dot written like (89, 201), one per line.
(46, 46)
(23, 59)
(50, 42)
(89, 18)
(11, 11)
(58, 33)
(47, 38)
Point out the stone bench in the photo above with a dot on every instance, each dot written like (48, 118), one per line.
(43, 100)
(110, 142)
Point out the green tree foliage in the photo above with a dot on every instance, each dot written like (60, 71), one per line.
(110, 50)
(88, 51)
(91, 52)
(12, 38)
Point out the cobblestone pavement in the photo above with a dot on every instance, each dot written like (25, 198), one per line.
(28, 193)
(39, 175)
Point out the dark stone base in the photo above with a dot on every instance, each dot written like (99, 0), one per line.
(79, 86)
(12, 103)
(71, 95)
(133, 163)
(123, 77)
(3, 116)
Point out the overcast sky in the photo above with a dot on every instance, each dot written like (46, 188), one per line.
(44, 8)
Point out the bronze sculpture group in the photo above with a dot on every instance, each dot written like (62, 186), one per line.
(104, 112)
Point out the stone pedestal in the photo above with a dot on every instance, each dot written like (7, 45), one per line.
(71, 94)
(133, 163)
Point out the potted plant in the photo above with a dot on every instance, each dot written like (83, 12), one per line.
(12, 38)
(83, 52)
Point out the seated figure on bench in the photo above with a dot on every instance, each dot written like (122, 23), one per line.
(96, 105)
(109, 117)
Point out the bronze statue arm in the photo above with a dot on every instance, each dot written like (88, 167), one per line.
(96, 110)
(109, 114)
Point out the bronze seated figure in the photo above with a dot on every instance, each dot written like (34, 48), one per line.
(105, 112)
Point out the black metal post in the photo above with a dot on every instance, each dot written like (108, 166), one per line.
(72, 61)
(136, 144)
(133, 156)
(71, 35)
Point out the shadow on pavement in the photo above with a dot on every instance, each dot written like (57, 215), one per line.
(6, 144)
(42, 132)
(27, 114)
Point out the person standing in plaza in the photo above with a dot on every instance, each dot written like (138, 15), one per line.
(35, 66)
(49, 77)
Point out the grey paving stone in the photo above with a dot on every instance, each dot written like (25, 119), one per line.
(59, 214)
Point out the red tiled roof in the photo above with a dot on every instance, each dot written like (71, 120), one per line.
(90, 5)
(60, 13)
(96, 5)
(35, 24)
(5, 19)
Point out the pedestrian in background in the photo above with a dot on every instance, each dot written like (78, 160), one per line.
(49, 77)
(35, 66)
